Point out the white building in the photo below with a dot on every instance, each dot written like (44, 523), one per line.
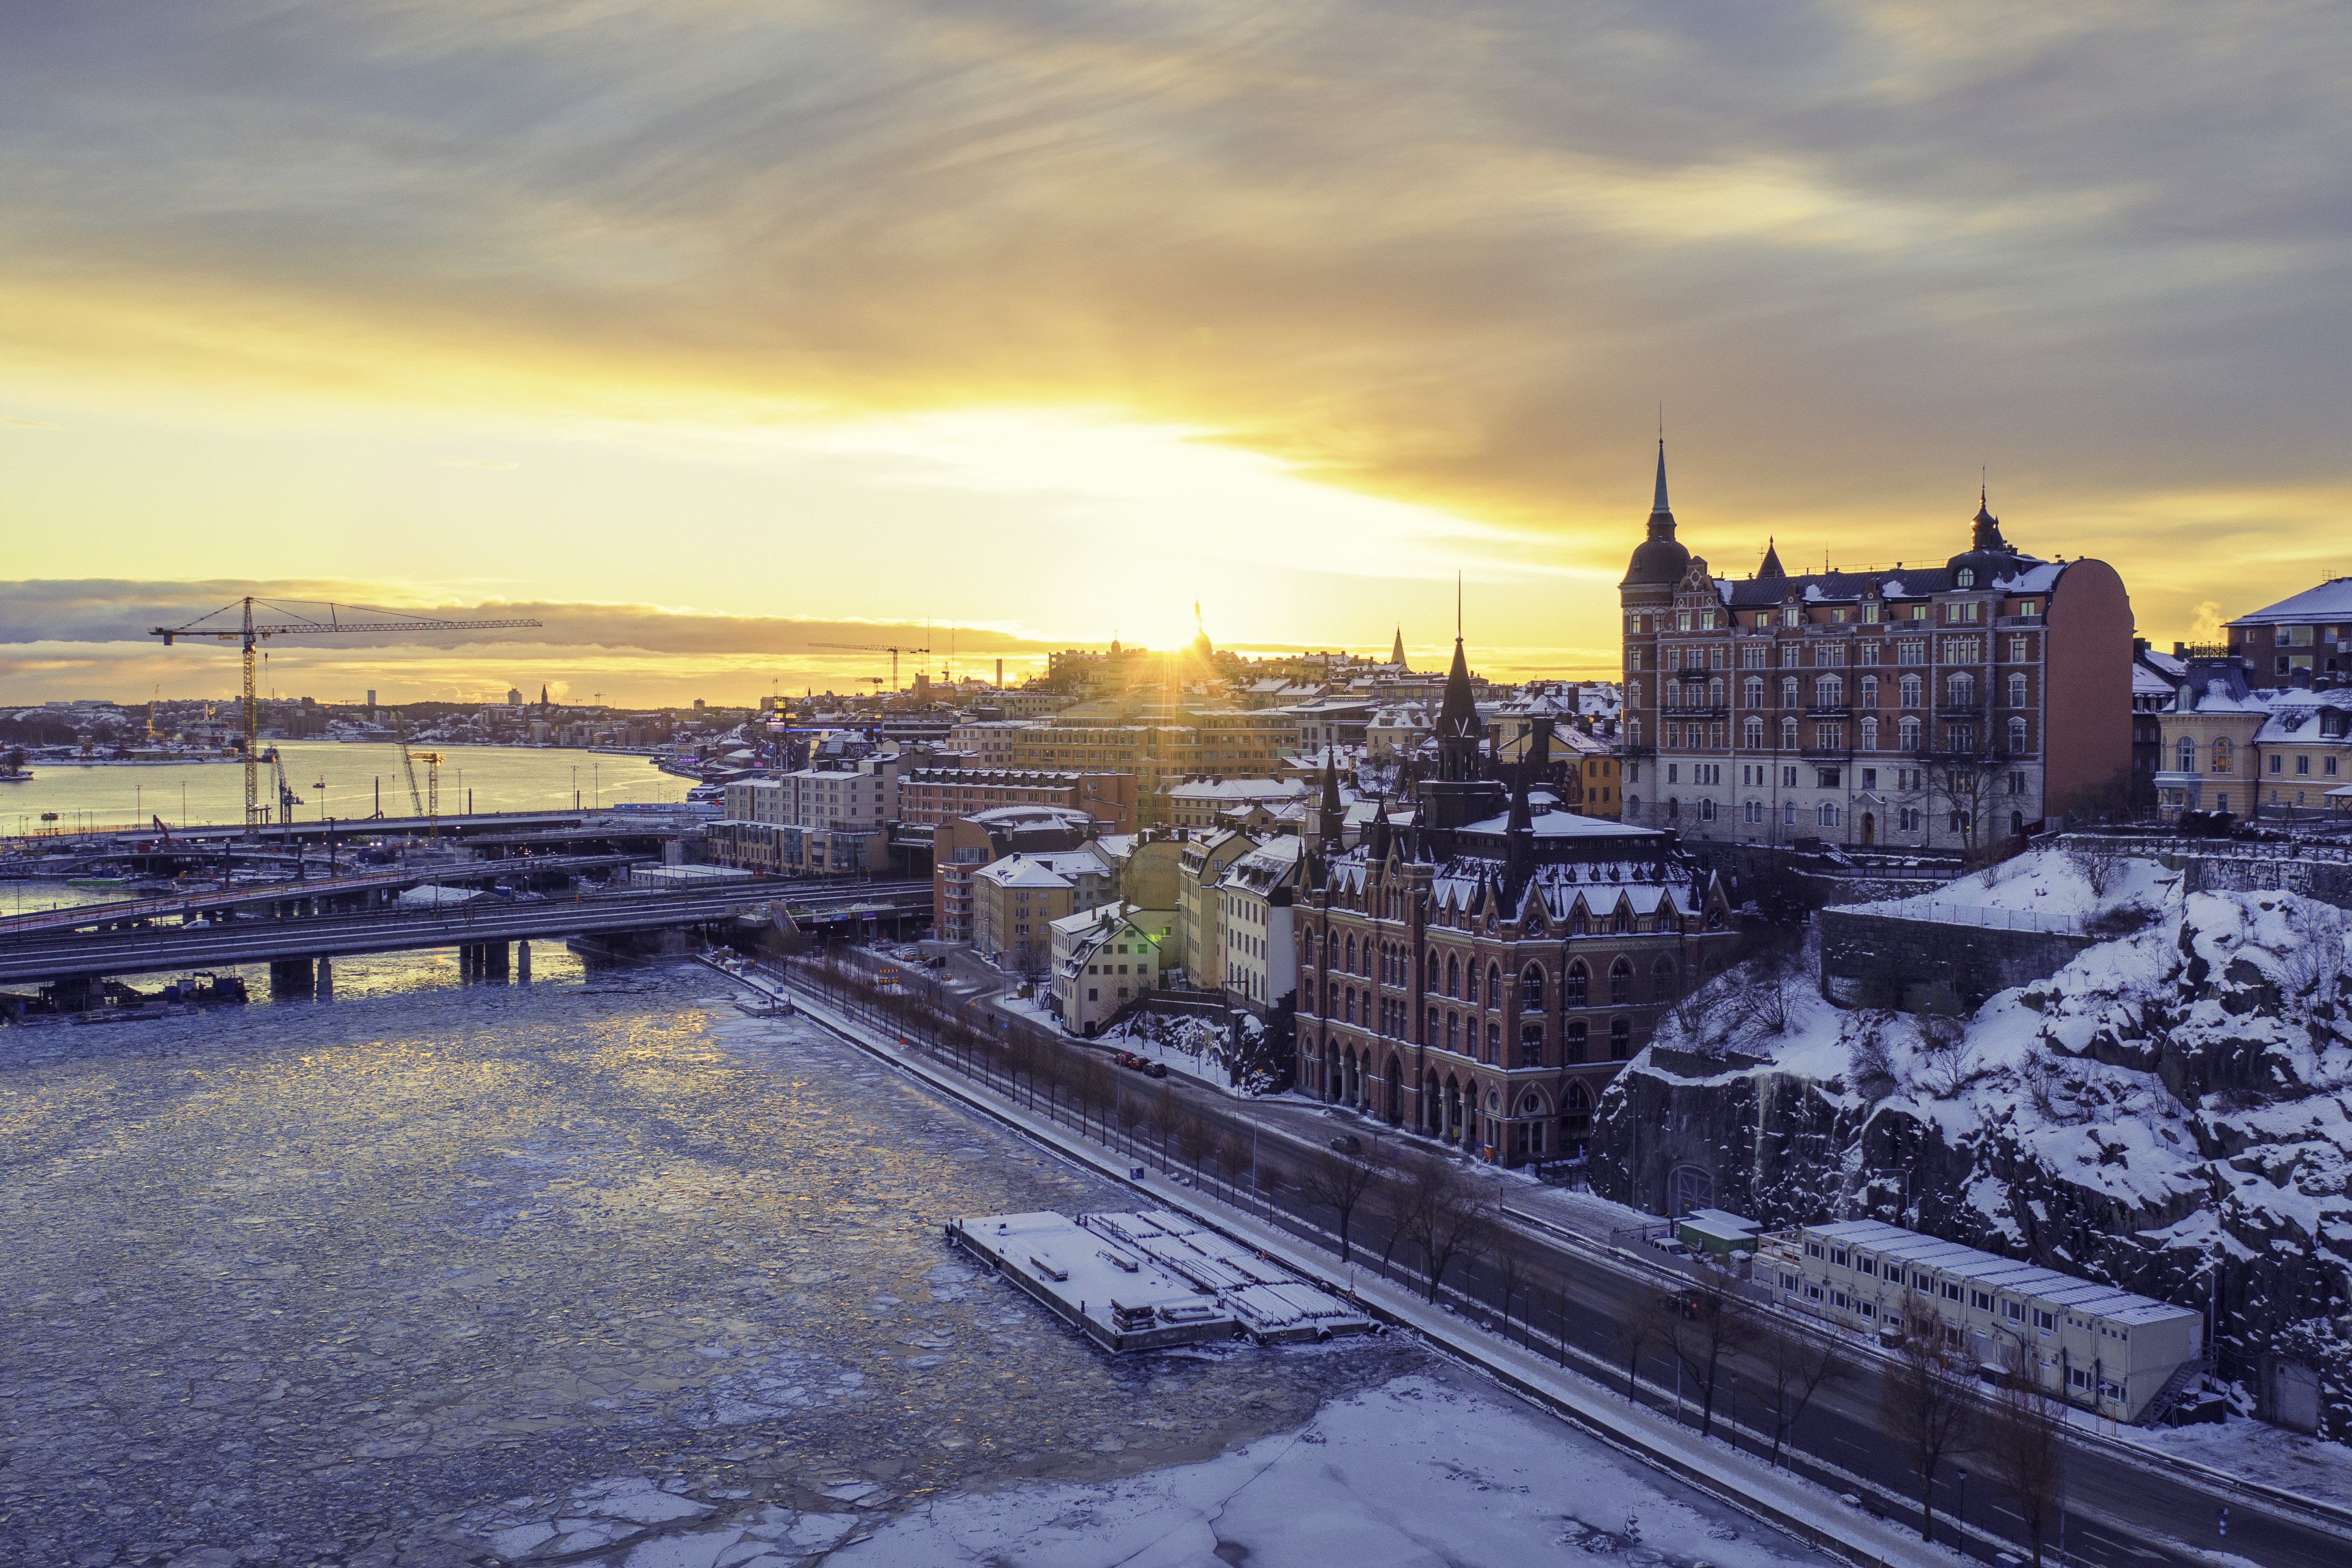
(2099, 1347)
(1103, 959)
(1260, 951)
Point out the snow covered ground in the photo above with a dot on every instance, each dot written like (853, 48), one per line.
(1423, 1470)
(2279, 1457)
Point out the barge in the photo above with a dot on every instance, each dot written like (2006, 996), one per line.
(1146, 1281)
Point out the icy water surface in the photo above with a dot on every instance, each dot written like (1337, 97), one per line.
(369, 1281)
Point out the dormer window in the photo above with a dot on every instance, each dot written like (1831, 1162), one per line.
(1968, 577)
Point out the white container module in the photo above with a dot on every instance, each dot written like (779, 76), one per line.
(1144, 1281)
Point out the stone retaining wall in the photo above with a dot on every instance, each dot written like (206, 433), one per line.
(1876, 959)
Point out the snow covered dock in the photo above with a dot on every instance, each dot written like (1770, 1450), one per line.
(1140, 1281)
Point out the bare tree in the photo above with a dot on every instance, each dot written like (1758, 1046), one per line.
(1795, 1367)
(1134, 1111)
(1194, 1139)
(2026, 1449)
(1166, 1111)
(1397, 1203)
(1270, 1182)
(1705, 1328)
(1650, 1323)
(1096, 1087)
(1448, 1220)
(1926, 1403)
(1946, 1061)
(1338, 1182)
(1510, 1276)
(1228, 1153)
(2100, 862)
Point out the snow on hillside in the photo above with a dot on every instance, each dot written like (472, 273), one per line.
(2172, 1107)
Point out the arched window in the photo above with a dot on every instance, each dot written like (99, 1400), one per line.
(1350, 1015)
(1576, 1109)
(1621, 920)
(1620, 983)
(1493, 1044)
(1531, 989)
(1960, 690)
(1351, 955)
(2222, 757)
(2188, 755)
(1634, 807)
(1572, 1048)
(1829, 691)
(1870, 734)
(1751, 734)
(2017, 690)
(1910, 688)
(1788, 691)
(1907, 735)
(1870, 691)
(1494, 985)
(1673, 808)
(1620, 1040)
(1751, 691)
(1453, 1031)
(2017, 737)
(1662, 980)
(1578, 982)
(1577, 922)
(1429, 1029)
(1429, 971)
(1531, 1046)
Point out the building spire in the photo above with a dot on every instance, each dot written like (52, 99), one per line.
(1771, 567)
(1396, 654)
(1658, 508)
(1333, 813)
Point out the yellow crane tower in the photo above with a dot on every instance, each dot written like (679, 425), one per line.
(251, 633)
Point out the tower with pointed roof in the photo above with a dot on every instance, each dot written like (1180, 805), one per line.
(1396, 653)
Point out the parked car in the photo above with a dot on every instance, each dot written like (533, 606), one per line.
(1348, 1143)
(1673, 1245)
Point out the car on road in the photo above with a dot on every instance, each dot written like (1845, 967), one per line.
(1348, 1143)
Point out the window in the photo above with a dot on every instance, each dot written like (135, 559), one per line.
(1572, 1049)
(2013, 1310)
(1870, 691)
(1870, 734)
(1788, 814)
(2222, 757)
(1966, 579)
(1907, 734)
(2017, 690)
(1951, 1291)
(1452, 976)
(1910, 689)
(1621, 980)
(1531, 989)
(1454, 1032)
(1620, 1040)
(1494, 1043)
(2044, 1320)
(1752, 812)
(1751, 734)
(2016, 740)
(1960, 690)
(1751, 656)
(1788, 691)
(1980, 1300)
(1531, 1051)
(1829, 691)
(1787, 734)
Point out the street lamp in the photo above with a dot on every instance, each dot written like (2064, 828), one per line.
(1960, 1514)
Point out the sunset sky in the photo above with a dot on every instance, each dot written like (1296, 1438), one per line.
(712, 331)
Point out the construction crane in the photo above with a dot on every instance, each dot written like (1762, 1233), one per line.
(893, 649)
(287, 799)
(251, 633)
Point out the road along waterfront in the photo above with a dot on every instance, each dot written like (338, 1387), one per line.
(442, 1273)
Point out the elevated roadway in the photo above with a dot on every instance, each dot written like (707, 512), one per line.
(86, 956)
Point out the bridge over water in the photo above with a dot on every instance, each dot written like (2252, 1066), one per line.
(301, 941)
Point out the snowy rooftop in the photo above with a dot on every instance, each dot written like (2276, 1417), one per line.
(1238, 789)
(1569, 825)
(2331, 601)
(2028, 1279)
(1045, 870)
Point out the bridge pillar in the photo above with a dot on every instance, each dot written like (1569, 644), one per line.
(289, 978)
(494, 961)
(522, 962)
(326, 980)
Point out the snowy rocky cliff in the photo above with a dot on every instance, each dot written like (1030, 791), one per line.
(2168, 1112)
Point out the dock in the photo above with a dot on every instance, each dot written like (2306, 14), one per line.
(1146, 1281)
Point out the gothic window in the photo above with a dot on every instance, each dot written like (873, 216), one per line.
(1453, 1031)
(1429, 1030)
(1909, 686)
(1531, 989)
(1452, 976)
(1662, 980)
(1351, 955)
(1494, 985)
(1494, 1043)
(1572, 1048)
(1430, 969)
(1620, 983)
(1622, 921)
(1350, 1015)
(1575, 986)
(1576, 1107)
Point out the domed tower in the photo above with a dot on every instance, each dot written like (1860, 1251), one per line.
(1647, 593)
(1988, 556)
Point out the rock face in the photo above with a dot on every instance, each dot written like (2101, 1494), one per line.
(2170, 1112)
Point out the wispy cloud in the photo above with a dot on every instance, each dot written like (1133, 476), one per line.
(13, 423)
(476, 463)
